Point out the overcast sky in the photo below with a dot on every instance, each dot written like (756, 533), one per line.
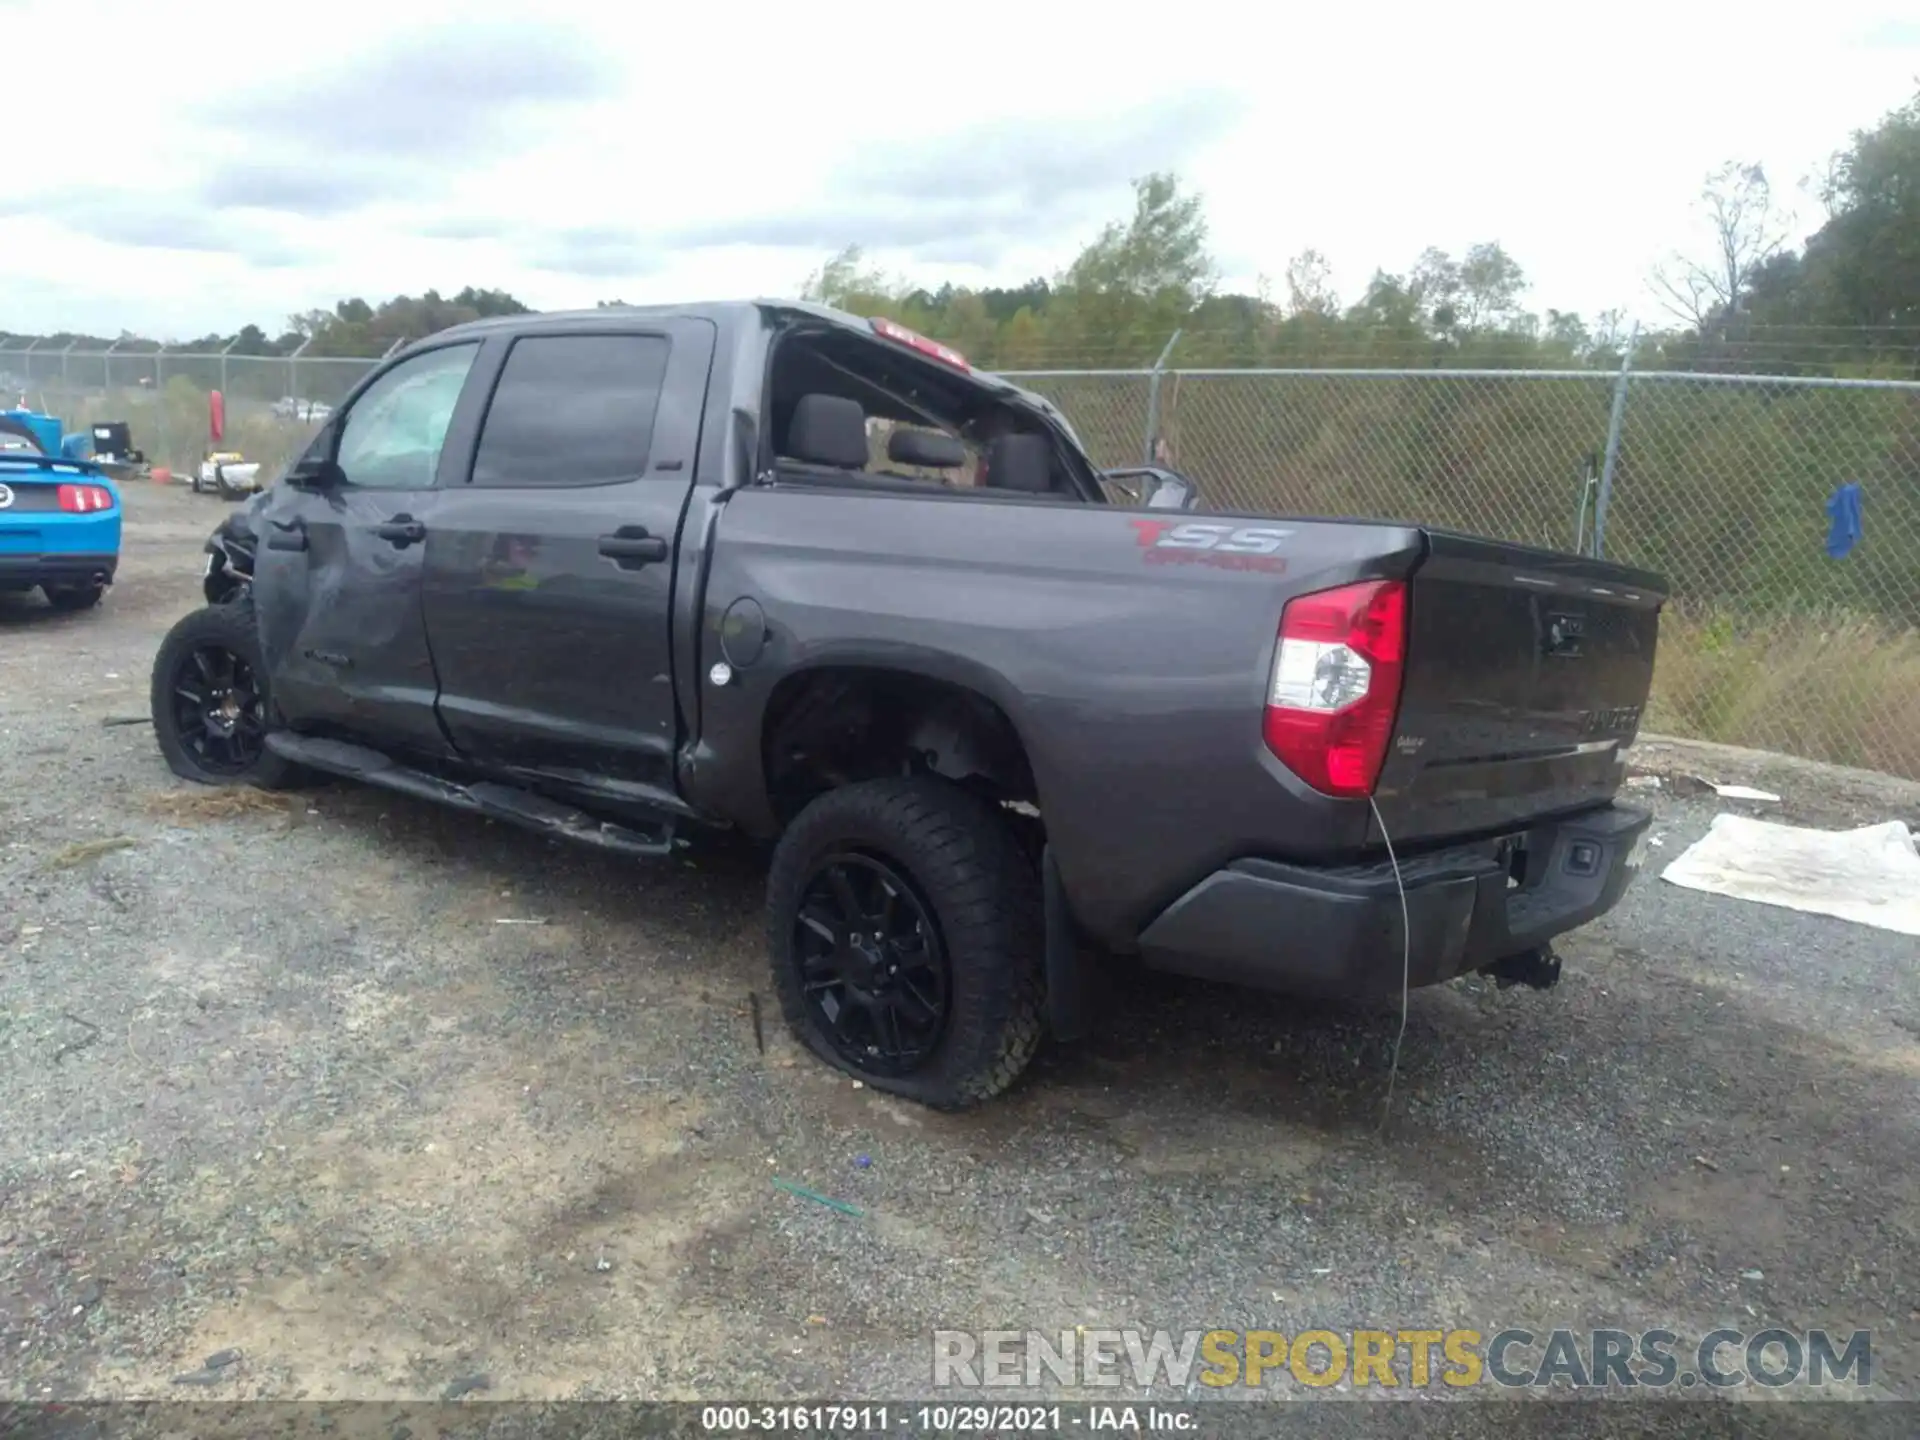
(237, 163)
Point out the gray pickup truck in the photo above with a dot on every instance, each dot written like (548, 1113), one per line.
(619, 576)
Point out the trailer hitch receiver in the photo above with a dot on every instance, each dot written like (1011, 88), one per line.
(1537, 969)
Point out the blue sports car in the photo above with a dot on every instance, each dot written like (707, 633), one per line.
(59, 522)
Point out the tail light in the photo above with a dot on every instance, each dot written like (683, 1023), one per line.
(1336, 685)
(83, 499)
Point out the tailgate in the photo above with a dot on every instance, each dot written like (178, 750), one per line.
(1527, 672)
(33, 520)
(31, 502)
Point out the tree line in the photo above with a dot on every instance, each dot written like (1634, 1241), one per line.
(1846, 300)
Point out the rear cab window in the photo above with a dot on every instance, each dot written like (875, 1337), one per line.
(845, 407)
(881, 439)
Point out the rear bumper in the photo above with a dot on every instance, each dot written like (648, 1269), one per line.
(1337, 931)
(58, 568)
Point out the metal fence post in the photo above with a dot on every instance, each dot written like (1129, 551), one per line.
(160, 403)
(293, 372)
(1153, 396)
(225, 350)
(1614, 423)
(1589, 485)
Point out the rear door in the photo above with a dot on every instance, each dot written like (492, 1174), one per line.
(1527, 675)
(550, 565)
(337, 573)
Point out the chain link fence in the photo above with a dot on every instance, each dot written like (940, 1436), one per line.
(1721, 483)
(273, 404)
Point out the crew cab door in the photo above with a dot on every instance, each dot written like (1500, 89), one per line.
(338, 569)
(549, 577)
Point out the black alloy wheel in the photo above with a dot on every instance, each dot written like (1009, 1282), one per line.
(218, 710)
(210, 702)
(873, 969)
(904, 935)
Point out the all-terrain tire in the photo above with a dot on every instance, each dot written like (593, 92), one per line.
(222, 627)
(966, 864)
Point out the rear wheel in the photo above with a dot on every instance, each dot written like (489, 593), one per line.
(905, 937)
(209, 702)
(74, 597)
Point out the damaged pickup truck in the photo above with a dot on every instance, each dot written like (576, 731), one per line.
(619, 576)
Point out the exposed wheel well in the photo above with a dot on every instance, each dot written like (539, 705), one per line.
(840, 724)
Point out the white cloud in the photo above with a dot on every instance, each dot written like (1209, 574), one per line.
(572, 151)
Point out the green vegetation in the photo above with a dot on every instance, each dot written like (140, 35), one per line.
(1719, 486)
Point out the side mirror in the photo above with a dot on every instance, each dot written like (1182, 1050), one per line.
(1169, 491)
(316, 473)
(316, 468)
(1153, 487)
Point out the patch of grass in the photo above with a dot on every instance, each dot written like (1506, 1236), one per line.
(205, 802)
(87, 850)
(1827, 685)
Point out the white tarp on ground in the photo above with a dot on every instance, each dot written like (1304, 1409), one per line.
(1870, 876)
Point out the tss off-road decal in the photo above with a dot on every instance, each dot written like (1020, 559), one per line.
(1219, 543)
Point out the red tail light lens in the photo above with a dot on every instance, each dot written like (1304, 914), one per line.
(84, 499)
(1335, 690)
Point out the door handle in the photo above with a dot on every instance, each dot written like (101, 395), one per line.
(631, 546)
(401, 531)
(287, 535)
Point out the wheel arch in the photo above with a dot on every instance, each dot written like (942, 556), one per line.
(841, 720)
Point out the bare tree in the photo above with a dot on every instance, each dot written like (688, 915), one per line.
(1748, 230)
(1823, 184)
(1310, 285)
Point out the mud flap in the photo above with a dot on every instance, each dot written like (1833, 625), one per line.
(1066, 977)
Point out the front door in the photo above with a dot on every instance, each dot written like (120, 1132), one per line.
(338, 566)
(550, 569)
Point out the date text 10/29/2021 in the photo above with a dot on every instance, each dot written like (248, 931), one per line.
(946, 1419)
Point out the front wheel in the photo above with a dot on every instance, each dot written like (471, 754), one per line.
(209, 702)
(904, 929)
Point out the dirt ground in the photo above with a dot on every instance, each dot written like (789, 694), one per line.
(386, 1099)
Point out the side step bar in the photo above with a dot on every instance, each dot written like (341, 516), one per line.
(484, 797)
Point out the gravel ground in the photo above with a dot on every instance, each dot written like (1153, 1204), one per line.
(282, 1081)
